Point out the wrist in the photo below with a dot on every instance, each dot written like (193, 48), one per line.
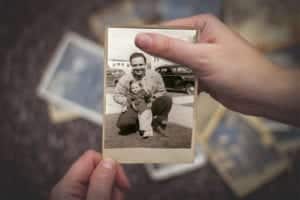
(284, 98)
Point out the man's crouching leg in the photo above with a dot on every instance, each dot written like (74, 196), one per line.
(161, 108)
(128, 122)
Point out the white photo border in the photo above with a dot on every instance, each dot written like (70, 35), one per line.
(148, 155)
(42, 91)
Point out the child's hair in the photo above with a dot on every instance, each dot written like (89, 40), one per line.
(131, 83)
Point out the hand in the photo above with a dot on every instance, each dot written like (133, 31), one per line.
(124, 109)
(148, 97)
(134, 106)
(230, 69)
(92, 177)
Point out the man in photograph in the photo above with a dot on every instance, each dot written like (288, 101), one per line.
(152, 82)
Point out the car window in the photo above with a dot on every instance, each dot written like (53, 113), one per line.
(184, 70)
(165, 70)
(172, 70)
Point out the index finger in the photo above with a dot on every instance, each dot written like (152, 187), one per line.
(81, 170)
(193, 22)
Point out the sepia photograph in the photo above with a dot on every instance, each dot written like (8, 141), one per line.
(148, 106)
(236, 146)
(74, 78)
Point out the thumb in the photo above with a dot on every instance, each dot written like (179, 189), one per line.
(102, 180)
(176, 50)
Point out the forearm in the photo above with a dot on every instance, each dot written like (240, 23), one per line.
(120, 99)
(283, 100)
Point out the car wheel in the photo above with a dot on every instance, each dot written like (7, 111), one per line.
(190, 88)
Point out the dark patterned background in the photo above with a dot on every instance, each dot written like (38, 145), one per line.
(35, 153)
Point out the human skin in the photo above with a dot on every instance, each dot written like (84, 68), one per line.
(138, 66)
(230, 69)
(91, 177)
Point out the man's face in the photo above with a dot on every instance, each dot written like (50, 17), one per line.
(138, 67)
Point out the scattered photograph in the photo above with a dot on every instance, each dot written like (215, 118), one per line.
(147, 10)
(205, 108)
(236, 147)
(120, 13)
(60, 115)
(286, 57)
(160, 172)
(286, 137)
(287, 140)
(148, 108)
(268, 26)
(174, 9)
(74, 78)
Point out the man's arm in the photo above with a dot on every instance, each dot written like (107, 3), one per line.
(120, 91)
(160, 89)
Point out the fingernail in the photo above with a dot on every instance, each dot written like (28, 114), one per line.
(143, 40)
(108, 163)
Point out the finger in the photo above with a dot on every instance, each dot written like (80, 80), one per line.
(117, 194)
(195, 21)
(176, 50)
(121, 178)
(82, 169)
(209, 26)
(102, 180)
(187, 21)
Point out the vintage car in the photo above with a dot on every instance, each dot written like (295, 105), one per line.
(177, 78)
(113, 76)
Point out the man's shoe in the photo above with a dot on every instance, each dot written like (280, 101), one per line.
(141, 132)
(148, 133)
(163, 124)
(161, 131)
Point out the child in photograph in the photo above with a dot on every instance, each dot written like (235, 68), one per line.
(140, 100)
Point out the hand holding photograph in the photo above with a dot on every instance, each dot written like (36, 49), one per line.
(148, 101)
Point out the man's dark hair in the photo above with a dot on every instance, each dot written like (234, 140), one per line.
(137, 54)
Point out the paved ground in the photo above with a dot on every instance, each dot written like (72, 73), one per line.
(178, 137)
(179, 130)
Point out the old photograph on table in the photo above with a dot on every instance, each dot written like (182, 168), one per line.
(205, 106)
(59, 114)
(121, 12)
(242, 150)
(286, 137)
(160, 172)
(148, 106)
(74, 78)
(287, 141)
